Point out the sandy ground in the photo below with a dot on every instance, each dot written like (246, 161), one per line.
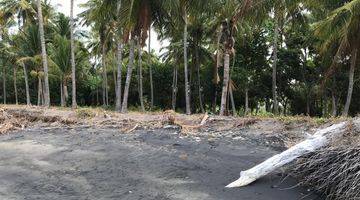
(94, 163)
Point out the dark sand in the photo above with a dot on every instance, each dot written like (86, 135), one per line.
(92, 163)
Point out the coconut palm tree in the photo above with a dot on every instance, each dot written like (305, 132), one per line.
(124, 107)
(60, 57)
(5, 23)
(24, 10)
(100, 16)
(43, 54)
(29, 56)
(72, 49)
(342, 26)
(227, 31)
(119, 57)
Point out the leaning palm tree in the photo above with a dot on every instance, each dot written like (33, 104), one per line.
(43, 54)
(343, 27)
(137, 17)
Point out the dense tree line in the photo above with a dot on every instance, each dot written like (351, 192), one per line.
(224, 56)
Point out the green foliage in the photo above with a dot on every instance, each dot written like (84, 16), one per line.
(314, 37)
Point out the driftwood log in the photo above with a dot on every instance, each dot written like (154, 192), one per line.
(320, 139)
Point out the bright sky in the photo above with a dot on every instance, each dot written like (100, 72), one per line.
(64, 7)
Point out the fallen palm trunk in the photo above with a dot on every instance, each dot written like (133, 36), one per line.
(318, 140)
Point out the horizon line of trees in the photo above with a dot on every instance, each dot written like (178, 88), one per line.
(225, 56)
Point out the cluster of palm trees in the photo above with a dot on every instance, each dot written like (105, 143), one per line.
(26, 49)
(198, 30)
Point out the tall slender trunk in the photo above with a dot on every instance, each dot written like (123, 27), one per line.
(28, 102)
(197, 62)
(124, 107)
(97, 95)
(351, 82)
(4, 84)
(72, 47)
(15, 86)
(174, 87)
(62, 98)
(186, 73)
(333, 98)
(119, 75)
(225, 83)
(151, 73)
(216, 78)
(246, 101)
(44, 55)
(307, 105)
(104, 81)
(232, 101)
(114, 69)
(66, 92)
(40, 92)
(140, 77)
(333, 103)
(119, 50)
(274, 66)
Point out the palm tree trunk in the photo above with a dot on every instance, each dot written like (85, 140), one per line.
(225, 83)
(197, 62)
(72, 47)
(119, 74)
(216, 78)
(66, 92)
(119, 52)
(246, 101)
(174, 87)
(44, 55)
(114, 69)
(124, 107)
(15, 86)
(351, 82)
(4, 84)
(232, 101)
(105, 84)
(150, 73)
(40, 89)
(42, 93)
(140, 78)
(28, 103)
(97, 95)
(308, 104)
(62, 98)
(187, 86)
(333, 103)
(274, 66)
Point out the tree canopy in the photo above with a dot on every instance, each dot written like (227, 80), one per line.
(227, 57)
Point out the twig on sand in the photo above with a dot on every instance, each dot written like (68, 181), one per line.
(132, 129)
(203, 121)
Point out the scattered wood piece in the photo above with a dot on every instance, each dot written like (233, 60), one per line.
(319, 139)
(132, 129)
(203, 121)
